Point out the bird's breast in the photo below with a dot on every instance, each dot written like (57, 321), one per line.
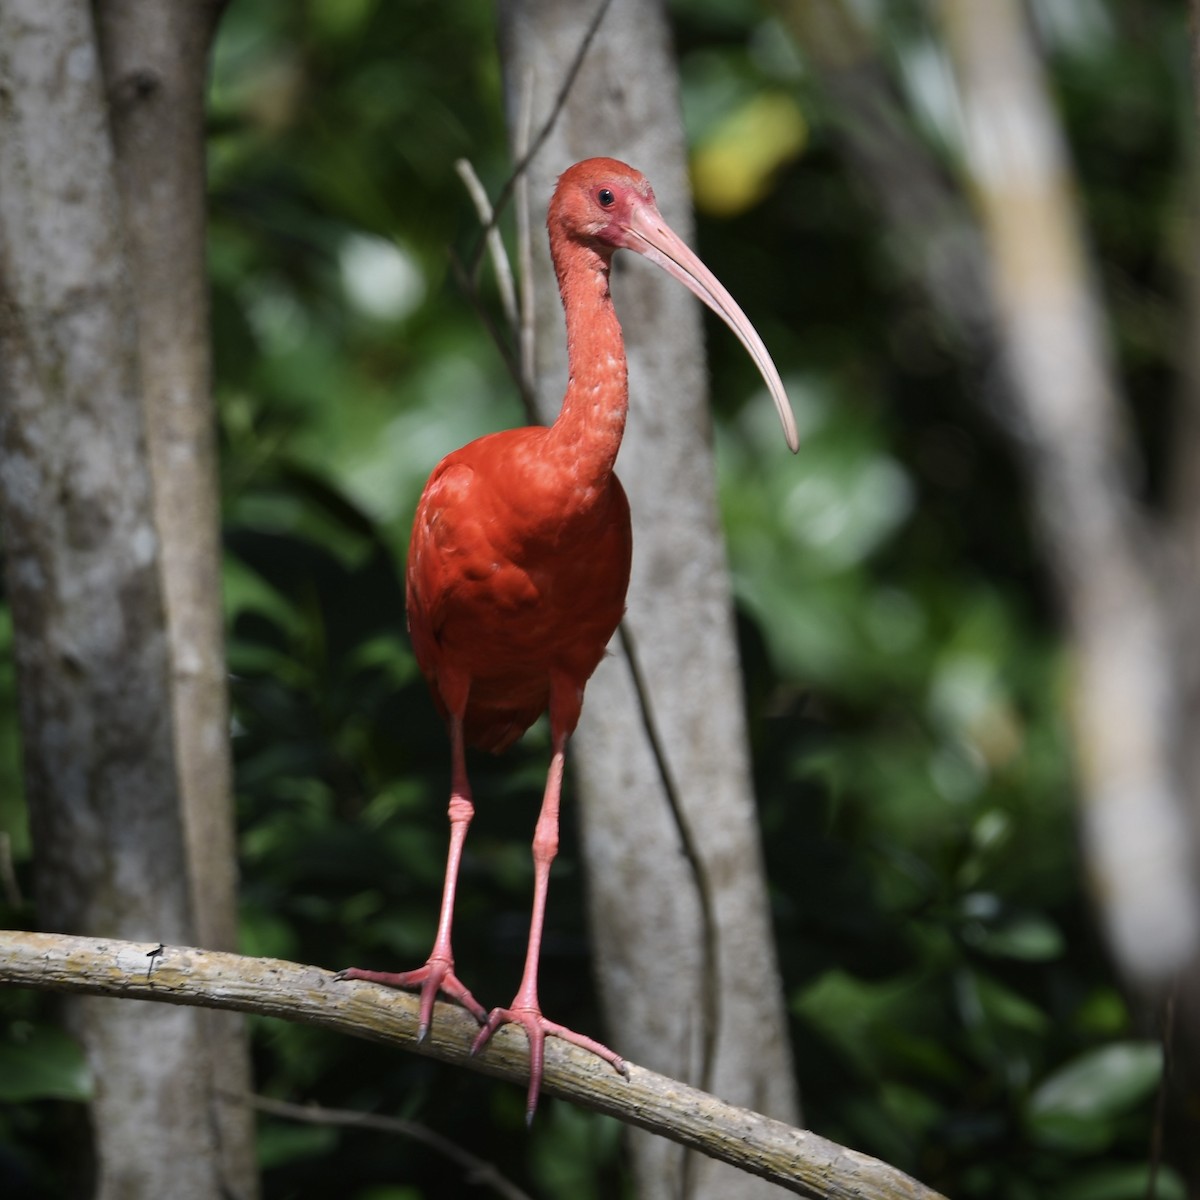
(513, 573)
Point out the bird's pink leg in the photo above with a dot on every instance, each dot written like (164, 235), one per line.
(437, 975)
(525, 1009)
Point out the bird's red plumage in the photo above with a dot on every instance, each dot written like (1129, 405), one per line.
(513, 572)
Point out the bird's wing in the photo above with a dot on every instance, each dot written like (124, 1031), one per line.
(460, 571)
(433, 537)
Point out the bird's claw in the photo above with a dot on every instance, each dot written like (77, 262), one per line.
(437, 975)
(537, 1029)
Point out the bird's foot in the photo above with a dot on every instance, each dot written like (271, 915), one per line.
(437, 975)
(537, 1029)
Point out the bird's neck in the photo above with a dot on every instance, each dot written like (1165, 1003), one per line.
(591, 422)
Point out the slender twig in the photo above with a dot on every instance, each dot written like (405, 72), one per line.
(504, 281)
(522, 371)
(495, 243)
(795, 1159)
(544, 132)
(691, 850)
(522, 375)
(476, 1169)
(527, 330)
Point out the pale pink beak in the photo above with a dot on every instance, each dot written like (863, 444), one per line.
(649, 235)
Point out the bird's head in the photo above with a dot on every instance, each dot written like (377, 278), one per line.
(596, 201)
(603, 204)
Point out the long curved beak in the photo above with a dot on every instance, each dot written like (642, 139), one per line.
(650, 236)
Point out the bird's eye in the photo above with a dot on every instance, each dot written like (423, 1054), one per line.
(606, 198)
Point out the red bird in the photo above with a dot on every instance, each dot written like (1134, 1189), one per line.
(520, 553)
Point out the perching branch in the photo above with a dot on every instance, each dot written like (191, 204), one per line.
(795, 1159)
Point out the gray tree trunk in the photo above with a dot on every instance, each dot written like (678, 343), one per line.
(155, 60)
(84, 563)
(686, 956)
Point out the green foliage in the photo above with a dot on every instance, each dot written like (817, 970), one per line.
(41, 1062)
(952, 1010)
(1078, 1105)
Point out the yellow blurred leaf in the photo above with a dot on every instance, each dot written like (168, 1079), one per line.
(732, 169)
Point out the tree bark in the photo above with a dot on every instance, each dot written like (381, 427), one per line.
(155, 62)
(155, 59)
(83, 572)
(678, 905)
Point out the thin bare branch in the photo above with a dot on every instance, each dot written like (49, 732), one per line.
(560, 100)
(795, 1159)
(495, 243)
(691, 851)
(526, 333)
(476, 1170)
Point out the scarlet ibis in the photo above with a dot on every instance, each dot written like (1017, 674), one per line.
(520, 554)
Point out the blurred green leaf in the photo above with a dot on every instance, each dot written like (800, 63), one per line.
(1101, 1083)
(281, 1142)
(1032, 938)
(1103, 1013)
(41, 1062)
(247, 591)
(1120, 1182)
(569, 1148)
(390, 1192)
(1075, 1107)
(860, 1016)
